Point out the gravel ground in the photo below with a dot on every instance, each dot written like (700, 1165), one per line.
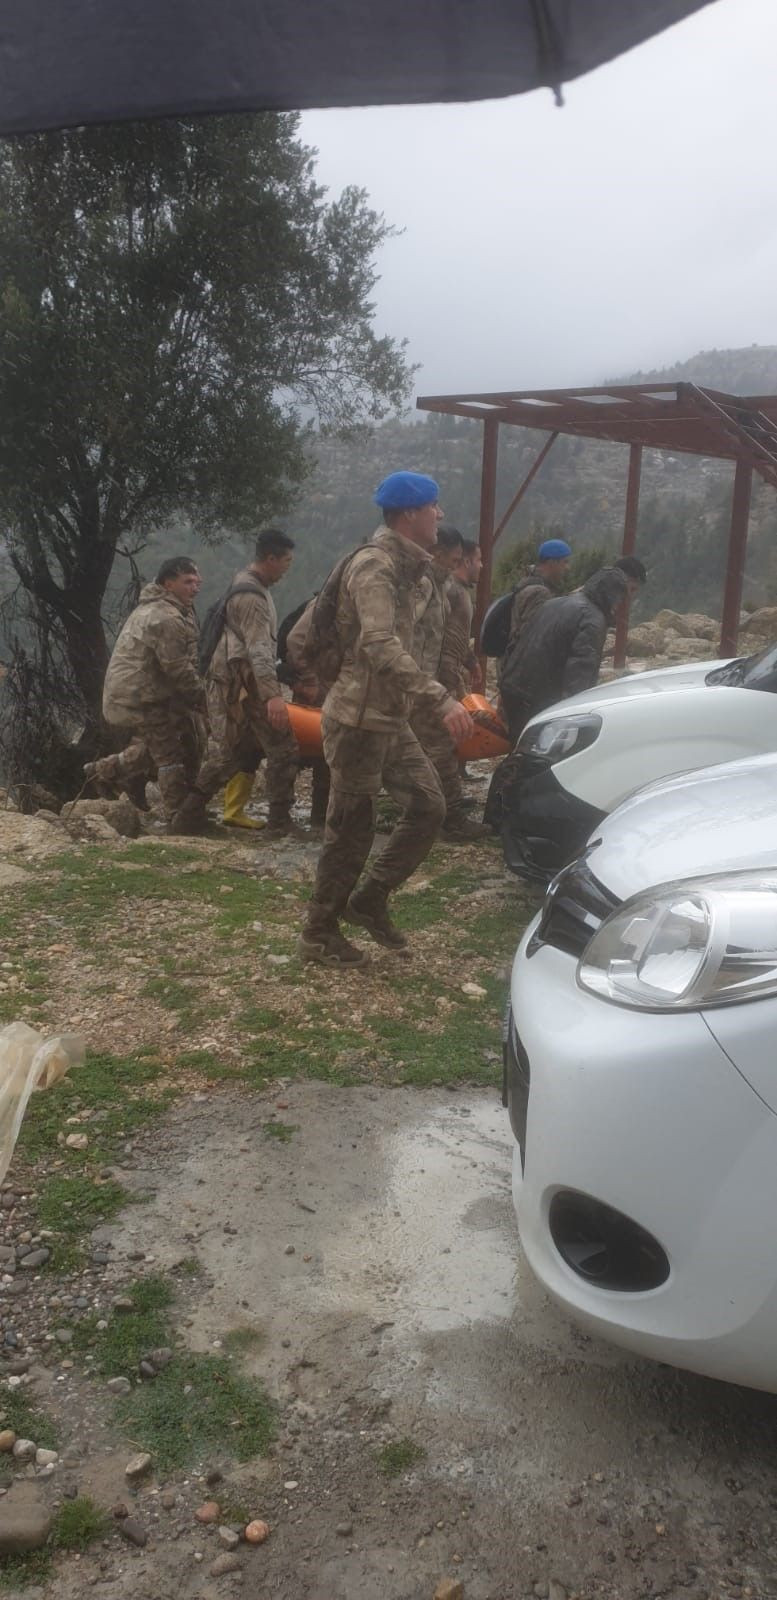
(374, 1256)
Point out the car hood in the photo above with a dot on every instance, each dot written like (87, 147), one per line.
(717, 819)
(690, 675)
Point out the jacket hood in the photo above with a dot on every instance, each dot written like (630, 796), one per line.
(606, 589)
(151, 592)
(155, 591)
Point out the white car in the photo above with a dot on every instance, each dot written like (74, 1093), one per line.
(641, 1076)
(577, 761)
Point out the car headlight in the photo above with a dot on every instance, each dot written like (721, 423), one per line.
(684, 946)
(560, 737)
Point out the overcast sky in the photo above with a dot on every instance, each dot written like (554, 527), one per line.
(547, 247)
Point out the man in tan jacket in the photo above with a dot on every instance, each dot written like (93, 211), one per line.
(153, 691)
(432, 625)
(367, 738)
(246, 707)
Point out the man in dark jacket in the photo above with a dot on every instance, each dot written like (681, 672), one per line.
(559, 650)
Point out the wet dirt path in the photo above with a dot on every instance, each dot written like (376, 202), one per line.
(376, 1253)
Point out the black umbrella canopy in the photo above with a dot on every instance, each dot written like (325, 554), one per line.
(66, 62)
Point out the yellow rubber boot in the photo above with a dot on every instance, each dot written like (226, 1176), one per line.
(237, 792)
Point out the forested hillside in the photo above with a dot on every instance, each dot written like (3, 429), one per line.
(580, 490)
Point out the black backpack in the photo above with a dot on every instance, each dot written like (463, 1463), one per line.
(286, 626)
(213, 624)
(495, 632)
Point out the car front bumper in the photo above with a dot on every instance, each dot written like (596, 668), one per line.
(543, 825)
(646, 1115)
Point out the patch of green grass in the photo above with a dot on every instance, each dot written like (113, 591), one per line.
(70, 1206)
(234, 1513)
(77, 1524)
(260, 1019)
(22, 1572)
(399, 1456)
(450, 1046)
(31, 990)
(189, 1267)
(196, 1406)
(105, 1083)
(209, 1065)
(85, 888)
(283, 1131)
(446, 894)
(17, 1412)
(130, 1334)
(172, 995)
(238, 1341)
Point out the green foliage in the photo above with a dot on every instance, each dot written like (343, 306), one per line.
(197, 1405)
(19, 1413)
(18, 1573)
(515, 563)
(172, 291)
(282, 1131)
(113, 1086)
(239, 1341)
(399, 1456)
(71, 1206)
(130, 1334)
(77, 1524)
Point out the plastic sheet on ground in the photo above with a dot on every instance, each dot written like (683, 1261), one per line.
(29, 1062)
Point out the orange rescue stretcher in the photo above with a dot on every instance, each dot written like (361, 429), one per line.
(488, 737)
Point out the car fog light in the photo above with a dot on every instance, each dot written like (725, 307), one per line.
(605, 1247)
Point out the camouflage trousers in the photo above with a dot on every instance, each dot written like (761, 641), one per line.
(165, 741)
(240, 735)
(437, 744)
(361, 763)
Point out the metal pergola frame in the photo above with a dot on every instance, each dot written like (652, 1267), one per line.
(683, 418)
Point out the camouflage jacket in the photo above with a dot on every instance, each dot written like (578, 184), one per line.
(457, 657)
(154, 660)
(305, 683)
(380, 683)
(431, 615)
(250, 636)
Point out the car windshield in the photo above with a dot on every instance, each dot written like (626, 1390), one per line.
(752, 672)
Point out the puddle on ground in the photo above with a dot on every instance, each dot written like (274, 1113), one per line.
(443, 1242)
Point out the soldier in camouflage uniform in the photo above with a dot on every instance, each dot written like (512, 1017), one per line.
(246, 707)
(432, 626)
(368, 742)
(153, 692)
(459, 666)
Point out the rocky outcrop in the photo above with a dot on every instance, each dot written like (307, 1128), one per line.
(119, 815)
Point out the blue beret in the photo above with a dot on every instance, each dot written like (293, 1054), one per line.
(553, 550)
(402, 491)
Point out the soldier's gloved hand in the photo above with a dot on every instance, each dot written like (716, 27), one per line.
(277, 713)
(458, 723)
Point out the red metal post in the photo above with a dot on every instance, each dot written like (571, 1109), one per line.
(487, 512)
(520, 492)
(737, 549)
(629, 541)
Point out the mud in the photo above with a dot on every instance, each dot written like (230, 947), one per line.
(405, 1311)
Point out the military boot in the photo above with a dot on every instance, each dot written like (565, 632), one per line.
(282, 827)
(458, 828)
(329, 948)
(191, 816)
(367, 908)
